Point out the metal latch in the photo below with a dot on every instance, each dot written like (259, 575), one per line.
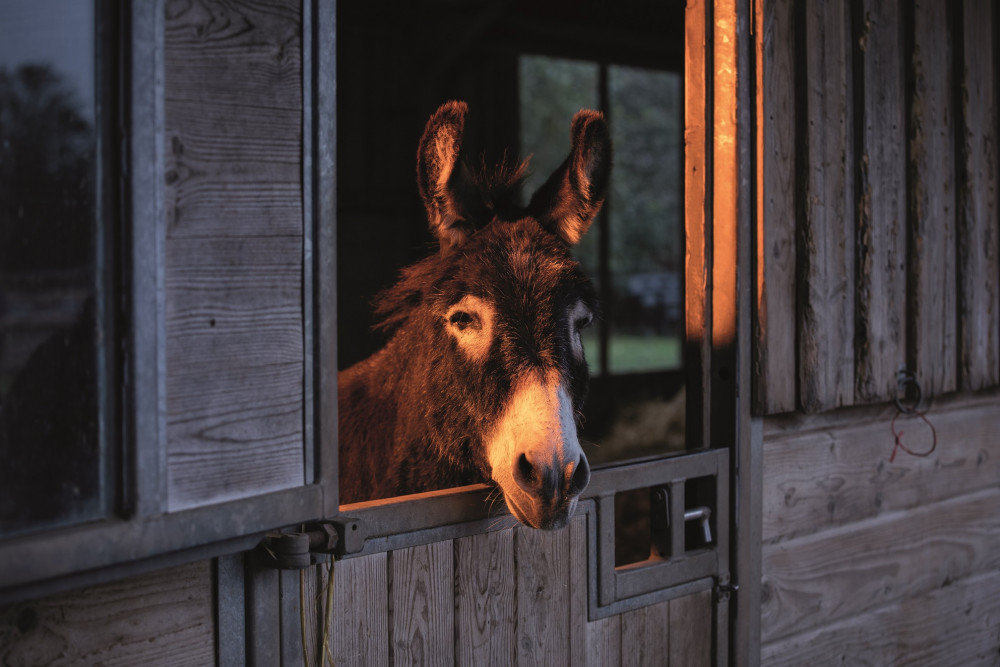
(702, 514)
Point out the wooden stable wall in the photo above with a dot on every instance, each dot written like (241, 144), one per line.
(880, 201)
(162, 619)
(880, 178)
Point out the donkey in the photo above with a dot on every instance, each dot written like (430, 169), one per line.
(484, 375)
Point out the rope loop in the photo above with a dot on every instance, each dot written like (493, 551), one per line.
(906, 380)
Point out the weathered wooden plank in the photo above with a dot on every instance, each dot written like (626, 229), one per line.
(164, 618)
(697, 316)
(956, 624)
(840, 473)
(690, 631)
(422, 599)
(485, 599)
(825, 247)
(880, 290)
(776, 373)
(978, 207)
(646, 636)
(360, 628)
(815, 580)
(604, 642)
(931, 291)
(234, 349)
(543, 596)
(578, 589)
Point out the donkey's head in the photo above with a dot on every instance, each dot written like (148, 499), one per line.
(503, 303)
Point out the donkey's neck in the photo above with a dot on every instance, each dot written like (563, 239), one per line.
(386, 437)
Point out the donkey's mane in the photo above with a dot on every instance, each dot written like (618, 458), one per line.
(493, 193)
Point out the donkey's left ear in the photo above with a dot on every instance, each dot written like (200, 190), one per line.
(568, 202)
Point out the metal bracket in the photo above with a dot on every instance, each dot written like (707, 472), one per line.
(351, 535)
(294, 550)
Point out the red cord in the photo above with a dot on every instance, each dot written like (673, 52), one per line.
(899, 437)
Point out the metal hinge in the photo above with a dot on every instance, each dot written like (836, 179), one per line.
(724, 588)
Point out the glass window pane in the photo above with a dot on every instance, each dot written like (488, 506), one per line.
(647, 223)
(50, 435)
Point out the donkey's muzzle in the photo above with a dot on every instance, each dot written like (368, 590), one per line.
(550, 489)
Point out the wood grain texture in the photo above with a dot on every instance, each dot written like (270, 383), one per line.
(931, 292)
(816, 479)
(543, 596)
(578, 590)
(697, 314)
(978, 206)
(604, 642)
(422, 603)
(646, 636)
(958, 624)
(159, 619)
(825, 247)
(485, 599)
(837, 574)
(880, 302)
(233, 117)
(235, 356)
(691, 630)
(776, 371)
(360, 628)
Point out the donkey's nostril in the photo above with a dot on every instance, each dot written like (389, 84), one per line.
(581, 477)
(525, 474)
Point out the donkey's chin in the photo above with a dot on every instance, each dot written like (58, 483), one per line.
(535, 515)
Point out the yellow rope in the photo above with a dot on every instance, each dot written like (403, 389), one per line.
(302, 617)
(328, 615)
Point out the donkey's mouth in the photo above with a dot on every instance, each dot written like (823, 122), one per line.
(542, 518)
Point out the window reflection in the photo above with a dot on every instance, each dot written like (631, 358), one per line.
(49, 390)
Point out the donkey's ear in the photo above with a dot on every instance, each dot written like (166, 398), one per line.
(568, 202)
(440, 170)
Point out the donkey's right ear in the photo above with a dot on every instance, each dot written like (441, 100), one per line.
(439, 170)
(568, 202)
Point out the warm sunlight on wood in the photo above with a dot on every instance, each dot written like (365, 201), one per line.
(725, 172)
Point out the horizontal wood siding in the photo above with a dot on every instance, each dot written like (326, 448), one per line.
(155, 620)
(946, 626)
(233, 274)
(508, 597)
(850, 535)
(880, 168)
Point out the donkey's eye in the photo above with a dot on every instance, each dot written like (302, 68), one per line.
(462, 320)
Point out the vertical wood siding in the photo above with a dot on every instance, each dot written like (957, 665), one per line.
(233, 192)
(978, 299)
(509, 597)
(880, 201)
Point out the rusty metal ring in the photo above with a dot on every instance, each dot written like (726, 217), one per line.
(906, 379)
